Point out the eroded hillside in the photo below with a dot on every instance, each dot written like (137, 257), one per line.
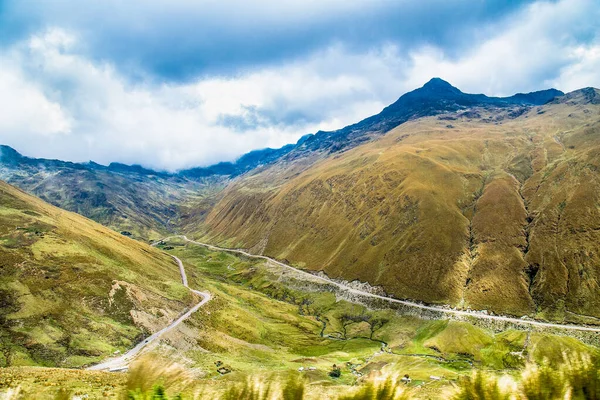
(488, 208)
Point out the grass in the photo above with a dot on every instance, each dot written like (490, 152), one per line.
(495, 216)
(262, 323)
(576, 378)
(47, 383)
(58, 270)
(264, 329)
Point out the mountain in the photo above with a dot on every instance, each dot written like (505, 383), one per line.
(444, 197)
(130, 199)
(148, 204)
(72, 291)
(473, 201)
(435, 97)
(242, 165)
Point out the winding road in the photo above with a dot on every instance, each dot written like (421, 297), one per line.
(474, 314)
(122, 362)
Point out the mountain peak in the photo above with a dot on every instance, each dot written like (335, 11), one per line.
(439, 82)
(439, 86)
(588, 95)
(8, 155)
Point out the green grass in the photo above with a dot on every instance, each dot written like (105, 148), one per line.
(264, 328)
(57, 273)
(259, 322)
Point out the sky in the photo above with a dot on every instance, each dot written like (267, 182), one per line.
(181, 83)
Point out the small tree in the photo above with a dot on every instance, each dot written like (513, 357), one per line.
(335, 372)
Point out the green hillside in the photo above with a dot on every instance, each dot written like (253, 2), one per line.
(72, 291)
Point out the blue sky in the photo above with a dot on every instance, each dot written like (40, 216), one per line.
(173, 84)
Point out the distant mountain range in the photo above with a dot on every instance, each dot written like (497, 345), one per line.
(131, 199)
(435, 97)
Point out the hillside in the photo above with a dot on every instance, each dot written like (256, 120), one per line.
(72, 291)
(129, 199)
(489, 206)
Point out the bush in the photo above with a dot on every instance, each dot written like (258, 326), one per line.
(335, 372)
(149, 379)
(254, 389)
(577, 378)
(480, 386)
(157, 393)
(389, 389)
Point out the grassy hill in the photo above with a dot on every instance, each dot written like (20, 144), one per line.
(484, 207)
(73, 291)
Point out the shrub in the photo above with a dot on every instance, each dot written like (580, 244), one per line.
(577, 378)
(480, 386)
(335, 372)
(389, 389)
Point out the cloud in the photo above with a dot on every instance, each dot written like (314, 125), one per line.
(181, 39)
(64, 99)
(27, 112)
(547, 44)
(583, 68)
(104, 117)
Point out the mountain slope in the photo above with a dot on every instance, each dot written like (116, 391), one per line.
(149, 204)
(73, 291)
(489, 207)
(435, 97)
(131, 199)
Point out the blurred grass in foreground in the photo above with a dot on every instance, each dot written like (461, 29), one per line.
(576, 378)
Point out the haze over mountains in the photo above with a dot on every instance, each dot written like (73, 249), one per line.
(444, 197)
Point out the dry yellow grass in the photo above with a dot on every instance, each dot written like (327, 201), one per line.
(490, 212)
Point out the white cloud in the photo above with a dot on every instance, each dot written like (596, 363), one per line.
(583, 70)
(535, 50)
(169, 125)
(26, 112)
(61, 104)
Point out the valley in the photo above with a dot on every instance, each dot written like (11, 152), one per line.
(450, 237)
(264, 322)
(355, 295)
